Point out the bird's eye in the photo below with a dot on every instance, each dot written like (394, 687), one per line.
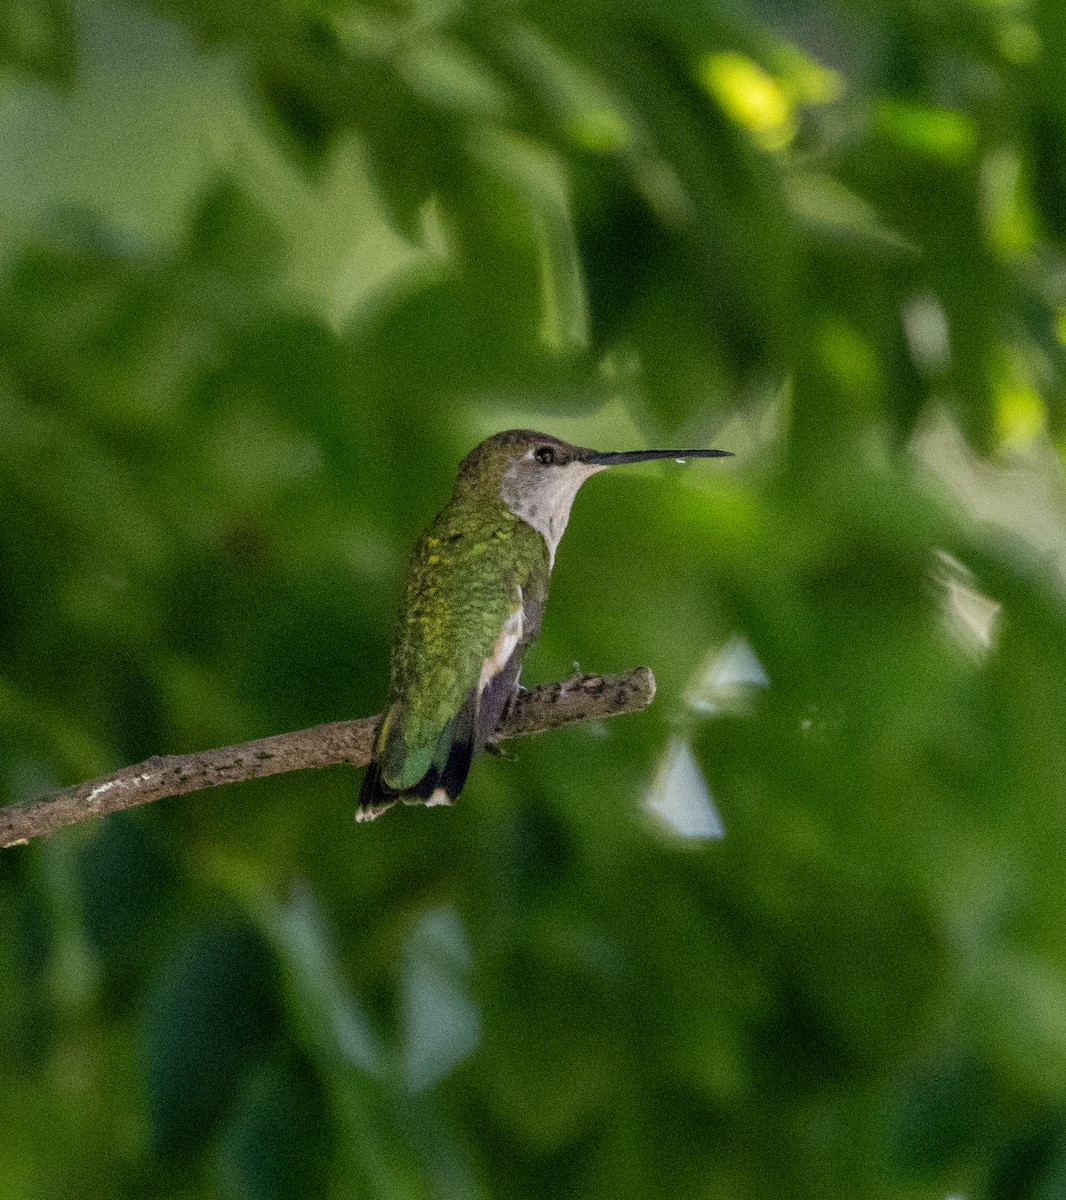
(545, 455)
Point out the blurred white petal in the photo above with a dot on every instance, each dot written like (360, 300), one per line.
(443, 1022)
(680, 796)
(725, 680)
(970, 616)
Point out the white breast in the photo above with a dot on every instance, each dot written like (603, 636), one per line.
(506, 644)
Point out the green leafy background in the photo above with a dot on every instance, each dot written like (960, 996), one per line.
(268, 268)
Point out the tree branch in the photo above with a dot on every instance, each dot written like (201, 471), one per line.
(580, 698)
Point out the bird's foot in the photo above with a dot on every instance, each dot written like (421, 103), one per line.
(512, 700)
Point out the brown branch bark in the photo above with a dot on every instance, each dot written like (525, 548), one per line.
(580, 698)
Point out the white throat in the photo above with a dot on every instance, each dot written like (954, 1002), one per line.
(543, 497)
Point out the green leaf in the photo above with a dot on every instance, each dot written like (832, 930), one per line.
(210, 1015)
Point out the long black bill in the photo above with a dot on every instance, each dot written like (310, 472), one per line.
(610, 458)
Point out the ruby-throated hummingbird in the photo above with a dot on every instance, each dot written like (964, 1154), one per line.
(472, 600)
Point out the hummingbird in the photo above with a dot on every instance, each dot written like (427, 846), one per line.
(473, 595)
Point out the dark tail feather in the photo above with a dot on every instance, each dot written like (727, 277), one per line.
(448, 771)
(451, 764)
(374, 796)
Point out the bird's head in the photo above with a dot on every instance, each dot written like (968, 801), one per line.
(537, 476)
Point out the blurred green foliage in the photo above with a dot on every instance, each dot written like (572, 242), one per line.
(267, 270)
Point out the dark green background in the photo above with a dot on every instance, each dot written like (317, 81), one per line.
(267, 270)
